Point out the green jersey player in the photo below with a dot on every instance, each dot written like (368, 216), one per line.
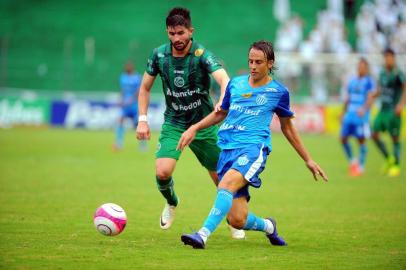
(184, 67)
(392, 90)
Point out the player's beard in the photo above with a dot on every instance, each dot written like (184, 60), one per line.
(180, 46)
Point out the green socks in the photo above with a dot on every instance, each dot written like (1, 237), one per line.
(167, 190)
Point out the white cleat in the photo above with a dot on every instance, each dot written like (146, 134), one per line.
(235, 233)
(167, 217)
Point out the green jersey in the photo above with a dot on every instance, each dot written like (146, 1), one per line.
(185, 82)
(391, 83)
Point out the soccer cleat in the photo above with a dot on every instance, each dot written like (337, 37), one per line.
(390, 161)
(394, 171)
(194, 240)
(167, 216)
(274, 238)
(355, 169)
(236, 233)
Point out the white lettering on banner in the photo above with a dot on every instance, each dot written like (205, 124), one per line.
(91, 116)
(244, 110)
(12, 114)
(226, 126)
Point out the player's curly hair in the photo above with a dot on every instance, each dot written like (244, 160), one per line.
(179, 16)
(267, 48)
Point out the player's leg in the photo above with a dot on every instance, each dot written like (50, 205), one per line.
(118, 145)
(362, 154)
(241, 218)
(344, 133)
(207, 152)
(348, 129)
(394, 130)
(236, 168)
(166, 158)
(379, 126)
(228, 186)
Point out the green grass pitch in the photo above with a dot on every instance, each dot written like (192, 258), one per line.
(52, 181)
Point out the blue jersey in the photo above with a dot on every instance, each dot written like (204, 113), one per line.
(130, 84)
(357, 91)
(250, 112)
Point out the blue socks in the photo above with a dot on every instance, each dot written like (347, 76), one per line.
(222, 206)
(120, 136)
(348, 150)
(254, 223)
(362, 154)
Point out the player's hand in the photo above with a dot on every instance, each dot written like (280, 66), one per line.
(187, 137)
(217, 108)
(143, 132)
(316, 170)
(398, 109)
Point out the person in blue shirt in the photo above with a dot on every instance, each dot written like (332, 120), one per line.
(129, 83)
(245, 141)
(361, 92)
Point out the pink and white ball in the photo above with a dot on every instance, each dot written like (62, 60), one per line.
(110, 219)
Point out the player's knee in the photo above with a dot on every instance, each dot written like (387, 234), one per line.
(344, 140)
(163, 174)
(237, 221)
(375, 136)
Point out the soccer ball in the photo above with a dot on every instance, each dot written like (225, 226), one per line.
(110, 219)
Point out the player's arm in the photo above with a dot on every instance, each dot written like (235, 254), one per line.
(402, 101)
(221, 77)
(210, 120)
(291, 134)
(143, 131)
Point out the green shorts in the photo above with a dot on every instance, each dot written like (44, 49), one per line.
(204, 145)
(387, 121)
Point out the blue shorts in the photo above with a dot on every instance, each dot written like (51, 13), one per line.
(130, 112)
(358, 130)
(249, 161)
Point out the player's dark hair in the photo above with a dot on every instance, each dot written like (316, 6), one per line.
(389, 50)
(364, 60)
(179, 16)
(267, 48)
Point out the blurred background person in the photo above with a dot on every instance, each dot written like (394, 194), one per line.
(361, 91)
(129, 83)
(392, 91)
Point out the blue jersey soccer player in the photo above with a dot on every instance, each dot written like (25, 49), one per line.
(360, 96)
(129, 83)
(245, 142)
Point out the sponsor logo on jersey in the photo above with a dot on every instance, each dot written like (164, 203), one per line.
(199, 52)
(246, 95)
(181, 107)
(179, 71)
(270, 89)
(261, 99)
(243, 160)
(175, 106)
(160, 55)
(179, 81)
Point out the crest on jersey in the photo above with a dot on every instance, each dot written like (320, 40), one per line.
(261, 99)
(179, 81)
(243, 160)
(199, 52)
(246, 95)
